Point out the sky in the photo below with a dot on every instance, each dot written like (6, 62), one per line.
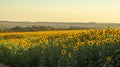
(61, 10)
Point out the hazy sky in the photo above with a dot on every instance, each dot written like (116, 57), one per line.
(60, 10)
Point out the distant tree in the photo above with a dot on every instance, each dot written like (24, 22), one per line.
(17, 29)
(0, 29)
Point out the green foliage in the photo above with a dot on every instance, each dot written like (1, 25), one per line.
(86, 56)
(46, 51)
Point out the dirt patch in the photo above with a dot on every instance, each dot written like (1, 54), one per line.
(2, 65)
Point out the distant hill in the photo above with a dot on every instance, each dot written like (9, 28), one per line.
(11, 24)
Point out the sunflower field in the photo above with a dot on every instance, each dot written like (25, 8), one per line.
(70, 48)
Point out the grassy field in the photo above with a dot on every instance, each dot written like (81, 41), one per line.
(70, 48)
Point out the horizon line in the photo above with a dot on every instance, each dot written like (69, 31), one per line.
(57, 21)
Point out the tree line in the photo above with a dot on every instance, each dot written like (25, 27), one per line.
(37, 28)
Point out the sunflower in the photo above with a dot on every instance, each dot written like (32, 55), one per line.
(69, 46)
(90, 43)
(103, 41)
(44, 47)
(98, 44)
(25, 45)
(75, 48)
(115, 40)
(110, 40)
(109, 58)
(64, 41)
(64, 46)
(78, 44)
(70, 55)
(63, 51)
(82, 44)
(56, 44)
(46, 41)
(8, 47)
(41, 43)
(98, 37)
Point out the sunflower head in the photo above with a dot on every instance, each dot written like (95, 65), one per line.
(69, 46)
(75, 48)
(78, 43)
(115, 40)
(70, 55)
(64, 46)
(63, 51)
(56, 44)
(8, 47)
(44, 47)
(109, 58)
(82, 44)
(90, 43)
(98, 44)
